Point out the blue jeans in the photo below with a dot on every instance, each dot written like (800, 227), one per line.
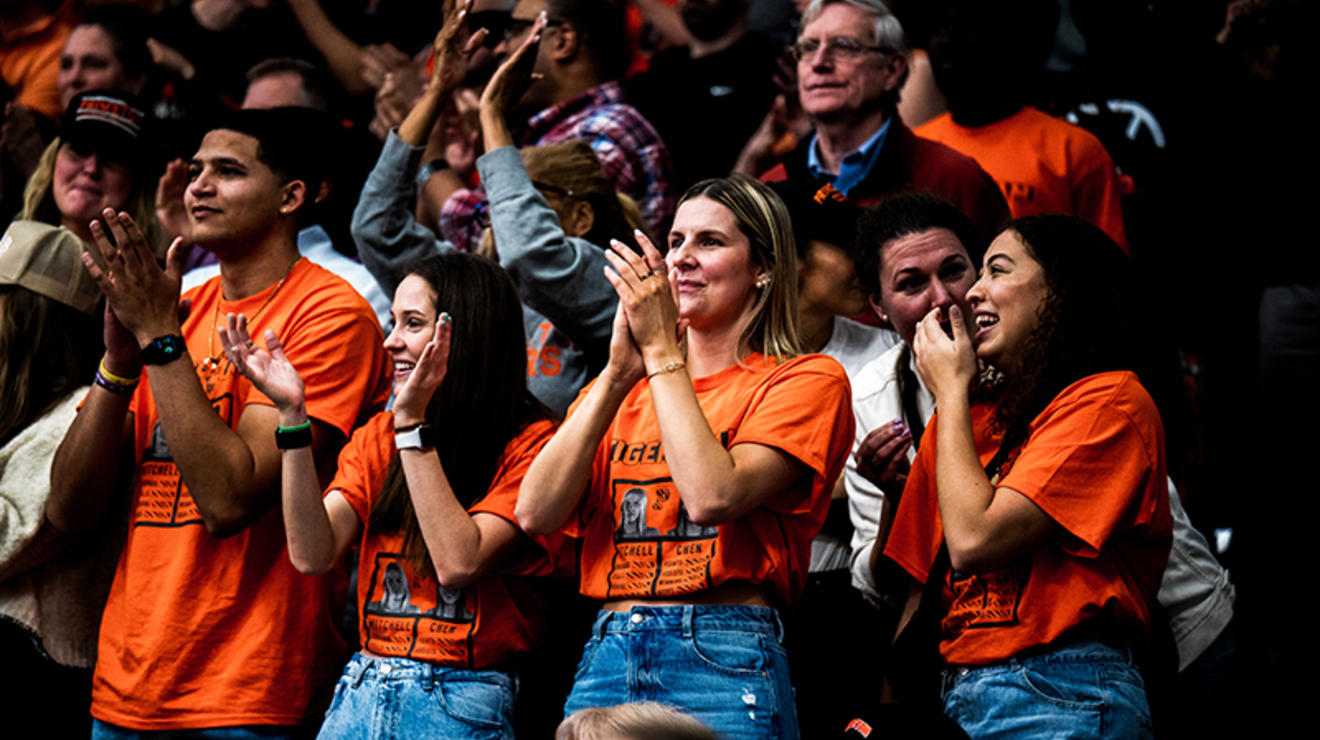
(106, 731)
(398, 697)
(724, 665)
(1083, 689)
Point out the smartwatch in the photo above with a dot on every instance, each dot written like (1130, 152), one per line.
(429, 169)
(162, 350)
(418, 437)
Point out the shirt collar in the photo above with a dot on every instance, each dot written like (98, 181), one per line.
(548, 118)
(855, 166)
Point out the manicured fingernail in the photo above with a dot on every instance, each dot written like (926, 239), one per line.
(444, 318)
(898, 423)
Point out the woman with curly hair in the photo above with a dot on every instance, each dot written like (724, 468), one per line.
(1041, 521)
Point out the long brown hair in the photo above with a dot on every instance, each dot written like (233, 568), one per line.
(482, 403)
(47, 349)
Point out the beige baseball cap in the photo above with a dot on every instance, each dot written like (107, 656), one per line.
(47, 260)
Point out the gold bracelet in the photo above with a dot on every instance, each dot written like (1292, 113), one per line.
(674, 366)
(119, 379)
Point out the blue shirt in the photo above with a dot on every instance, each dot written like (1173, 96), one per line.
(854, 167)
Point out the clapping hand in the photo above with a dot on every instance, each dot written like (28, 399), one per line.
(269, 369)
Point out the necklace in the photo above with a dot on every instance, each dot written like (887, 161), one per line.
(212, 360)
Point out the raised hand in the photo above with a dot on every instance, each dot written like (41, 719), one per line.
(514, 74)
(144, 298)
(269, 370)
(648, 300)
(451, 50)
(169, 200)
(625, 365)
(411, 400)
(947, 363)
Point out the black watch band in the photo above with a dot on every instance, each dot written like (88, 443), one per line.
(164, 349)
(292, 438)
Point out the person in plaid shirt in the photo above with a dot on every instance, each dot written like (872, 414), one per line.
(583, 51)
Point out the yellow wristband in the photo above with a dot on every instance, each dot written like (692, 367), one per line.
(118, 379)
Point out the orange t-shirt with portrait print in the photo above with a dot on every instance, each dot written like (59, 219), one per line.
(637, 539)
(404, 614)
(205, 632)
(1094, 464)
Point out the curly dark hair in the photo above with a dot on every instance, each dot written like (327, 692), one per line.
(1093, 320)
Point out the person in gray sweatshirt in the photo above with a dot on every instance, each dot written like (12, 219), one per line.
(546, 224)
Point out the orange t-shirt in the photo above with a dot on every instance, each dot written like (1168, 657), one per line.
(205, 632)
(1043, 165)
(406, 615)
(30, 63)
(1094, 463)
(637, 539)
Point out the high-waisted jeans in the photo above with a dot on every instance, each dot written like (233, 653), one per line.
(724, 665)
(398, 697)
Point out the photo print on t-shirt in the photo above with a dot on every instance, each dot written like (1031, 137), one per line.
(163, 500)
(412, 617)
(658, 548)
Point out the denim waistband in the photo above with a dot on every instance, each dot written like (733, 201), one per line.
(375, 668)
(690, 618)
(1074, 651)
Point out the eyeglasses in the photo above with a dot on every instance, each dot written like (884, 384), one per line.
(516, 27)
(836, 47)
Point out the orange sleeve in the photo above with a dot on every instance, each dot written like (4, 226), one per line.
(807, 415)
(1089, 459)
(502, 497)
(363, 463)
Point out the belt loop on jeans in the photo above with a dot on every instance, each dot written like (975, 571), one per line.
(689, 617)
(358, 668)
(602, 623)
(779, 625)
(429, 677)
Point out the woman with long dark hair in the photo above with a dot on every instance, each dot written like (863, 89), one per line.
(1044, 516)
(697, 468)
(428, 491)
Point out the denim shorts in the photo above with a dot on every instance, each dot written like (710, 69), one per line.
(724, 665)
(1083, 689)
(398, 698)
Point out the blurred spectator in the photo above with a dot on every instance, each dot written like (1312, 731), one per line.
(985, 60)
(52, 587)
(107, 50)
(722, 77)
(94, 165)
(32, 32)
(639, 721)
(851, 63)
(580, 58)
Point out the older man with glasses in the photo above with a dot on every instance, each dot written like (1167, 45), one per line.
(851, 61)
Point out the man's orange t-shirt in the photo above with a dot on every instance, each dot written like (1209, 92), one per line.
(637, 539)
(204, 632)
(1042, 164)
(1094, 463)
(406, 615)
